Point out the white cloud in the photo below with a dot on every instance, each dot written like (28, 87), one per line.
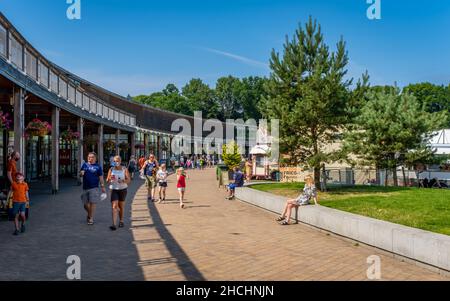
(236, 57)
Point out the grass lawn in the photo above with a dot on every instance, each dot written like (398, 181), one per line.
(427, 209)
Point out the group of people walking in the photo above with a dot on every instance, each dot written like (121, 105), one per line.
(118, 179)
(156, 177)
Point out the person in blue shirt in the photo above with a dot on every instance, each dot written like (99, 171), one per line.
(238, 178)
(92, 175)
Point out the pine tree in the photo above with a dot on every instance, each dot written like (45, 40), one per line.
(309, 94)
(392, 129)
(231, 155)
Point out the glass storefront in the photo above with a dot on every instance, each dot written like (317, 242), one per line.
(38, 158)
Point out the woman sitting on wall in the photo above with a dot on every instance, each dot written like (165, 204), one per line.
(309, 191)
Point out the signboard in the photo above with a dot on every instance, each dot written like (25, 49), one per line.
(64, 156)
(292, 174)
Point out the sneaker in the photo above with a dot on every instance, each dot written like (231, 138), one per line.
(16, 232)
(113, 228)
(22, 229)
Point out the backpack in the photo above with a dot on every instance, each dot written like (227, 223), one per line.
(149, 167)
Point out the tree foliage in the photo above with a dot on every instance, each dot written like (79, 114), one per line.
(309, 94)
(231, 155)
(393, 128)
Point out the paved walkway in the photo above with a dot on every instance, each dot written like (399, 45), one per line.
(217, 239)
(211, 239)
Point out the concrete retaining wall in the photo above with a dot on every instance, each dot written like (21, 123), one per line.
(423, 246)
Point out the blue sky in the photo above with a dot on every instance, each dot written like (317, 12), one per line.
(138, 46)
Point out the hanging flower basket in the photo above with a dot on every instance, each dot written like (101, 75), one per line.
(69, 135)
(37, 127)
(110, 146)
(5, 121)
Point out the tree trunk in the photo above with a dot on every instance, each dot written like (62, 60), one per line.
(317, 177)
(386, 175)
(394, 176)
(404, 177)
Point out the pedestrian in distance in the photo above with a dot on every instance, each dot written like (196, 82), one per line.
(132, 165)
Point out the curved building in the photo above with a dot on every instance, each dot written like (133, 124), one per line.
(34, 90)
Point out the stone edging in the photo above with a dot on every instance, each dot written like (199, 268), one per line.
(419, 245)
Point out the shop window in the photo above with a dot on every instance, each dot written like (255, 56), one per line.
(3, 43)
(16, 52)
(31, 65)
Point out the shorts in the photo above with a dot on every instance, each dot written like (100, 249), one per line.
(302, 201)
(162, 184)
(19, 208)
(119, 195)
(181, 189)
(91, 196)
(150, 182)
(232, 186)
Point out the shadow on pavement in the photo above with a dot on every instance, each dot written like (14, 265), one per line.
(189, 270)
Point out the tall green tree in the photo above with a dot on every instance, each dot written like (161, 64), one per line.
(228, 98)
(392, 129)
(309, 94)
(251, 96)
(200, 97)
(436, 98)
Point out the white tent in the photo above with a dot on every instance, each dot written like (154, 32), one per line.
(260, 150)
(441, 142)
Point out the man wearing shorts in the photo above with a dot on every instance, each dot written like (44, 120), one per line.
(92, 175)
(238, 177)
(149, 171)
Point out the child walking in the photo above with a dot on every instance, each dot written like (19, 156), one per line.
(20, 202)
(181, 185)
(161, 176)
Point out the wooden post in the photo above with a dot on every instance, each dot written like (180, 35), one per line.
(55, 149)
(100, 146)
(133, 145)
(80, 153)
(19, 126)
(117, 142)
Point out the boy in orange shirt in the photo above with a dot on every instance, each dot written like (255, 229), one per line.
(20, 200)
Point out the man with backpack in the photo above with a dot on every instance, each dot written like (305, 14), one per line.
(149, 171)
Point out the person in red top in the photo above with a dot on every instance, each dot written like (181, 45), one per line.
(20, 200)
(11, 171)
(12, 168)
(181, 184)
